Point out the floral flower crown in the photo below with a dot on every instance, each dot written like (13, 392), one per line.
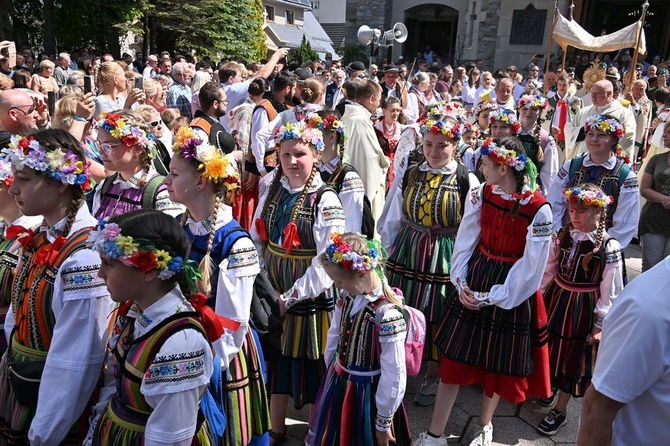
(60, 165)
(532, 101)
(339, 252)
(501, 155)
(329, 123)
(453, 110)
(301, 131)
(215, 166)
(471, 128)
(6, 175)
(485, 105)
(507, 117)
(449, 129)
(587, 198)
(134, 252)
(606, 124)
(131, 136)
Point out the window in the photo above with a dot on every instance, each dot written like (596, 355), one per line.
(290, 17)
(270, 13)
(315, 4)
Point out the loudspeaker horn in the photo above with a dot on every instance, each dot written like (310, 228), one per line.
(367, 34)
(398, 33)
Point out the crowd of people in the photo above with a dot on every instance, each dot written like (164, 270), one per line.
(146, 201)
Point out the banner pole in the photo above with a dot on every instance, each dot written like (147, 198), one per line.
(551, 36)
(631, 73)
(565, 50)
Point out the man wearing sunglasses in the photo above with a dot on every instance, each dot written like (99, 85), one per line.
(213, 105)
(18, 115)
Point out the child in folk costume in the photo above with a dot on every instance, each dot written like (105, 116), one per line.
(339, 175)
(604, 167)
(540, 146)
(494, 325)
(127, 149)
(482, 122)
(293, 223)
(10, 215)
(360, 401)
(502, 122)
(418, 228)
(205, 180)
(582, 279)
(466, 148)
(160, 359)
(59, 306)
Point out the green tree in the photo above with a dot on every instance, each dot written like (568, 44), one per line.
(258, 37)
(305, 52)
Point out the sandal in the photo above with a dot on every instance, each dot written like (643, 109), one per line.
(277, 437)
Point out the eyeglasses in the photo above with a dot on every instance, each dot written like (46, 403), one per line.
(31, 108)
(155, 123)
(224, 101)
(106, 149)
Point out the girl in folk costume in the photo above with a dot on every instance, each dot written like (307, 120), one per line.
(418, 228)
(417, 99)
(335, 172)
(10, 215)
(582, 279)
(360, 401)
(539, 145)
(159, 360)
(58, 316)
(482, 122)
(466, 148)
(502, 122)
(494, 325)
(127, 149)
(388, 132)
(295, 220)
(602, 167)
(205, 181)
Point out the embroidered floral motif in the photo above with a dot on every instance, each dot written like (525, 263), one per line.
(174, 368)
(243, 258)
(392, 326)
(383, 423)
(630, 183)
(333, 213)
(542, 229)
(613, 257)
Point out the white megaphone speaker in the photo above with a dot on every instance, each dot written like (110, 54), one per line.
(367, 34)
(398, 33)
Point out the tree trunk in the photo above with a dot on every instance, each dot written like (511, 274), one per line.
(147, 36)
(49, 27)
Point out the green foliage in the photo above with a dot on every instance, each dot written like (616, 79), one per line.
(305, 52)
(356, 52)
(258, 36)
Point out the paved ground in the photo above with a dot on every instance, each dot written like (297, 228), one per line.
(512, 425)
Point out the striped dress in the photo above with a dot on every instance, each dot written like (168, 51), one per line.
(347, 406)
(31, 297)
(9, 259)
(299, 369)
(420, 257)
(245, 400)
(573, 301)
(124, 419)
(502, 349)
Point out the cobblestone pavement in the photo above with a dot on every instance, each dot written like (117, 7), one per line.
(514, 424)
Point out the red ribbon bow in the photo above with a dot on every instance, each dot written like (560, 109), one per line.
(23, 235)
(213, 323)
(522, 196)
(291, 237)
(47, 254)
(260, 229)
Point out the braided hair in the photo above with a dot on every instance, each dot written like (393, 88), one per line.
(340, 136)
(206, 266)
(53, 139)
(513, 143)
(538, 137)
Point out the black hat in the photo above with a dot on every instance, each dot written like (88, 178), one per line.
(303, 74)
(639, 67)
(391, 68)
(356, 66)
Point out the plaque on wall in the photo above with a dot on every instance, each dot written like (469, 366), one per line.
(528, 26)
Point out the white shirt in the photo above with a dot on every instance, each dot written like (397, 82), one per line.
(351, 195)
(633, 364)
(526, 274)
(236, 94)
(627, 214)
(259, 121)
(77, 349)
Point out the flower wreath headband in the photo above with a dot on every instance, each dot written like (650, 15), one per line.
(60, 165)
(453, 110)
(501, 155)
(215, 166)
(136, 252)
(329, 123)
(302, 131)
(131, 136)
(587, 198)
(471, 128)
(606, 124)
(6, 175)
(532, 101)
(436, 125)
(340, 252)
(507, 117)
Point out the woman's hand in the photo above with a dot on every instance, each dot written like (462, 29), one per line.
(384, 437)
(594, 337)
(86, 106)
(250, 182)
(467, 298)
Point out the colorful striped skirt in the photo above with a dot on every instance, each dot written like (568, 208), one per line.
(245, 402)
(121, 425)
(346, 409)
(419, 264)
(570, 313)
(504, 350)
